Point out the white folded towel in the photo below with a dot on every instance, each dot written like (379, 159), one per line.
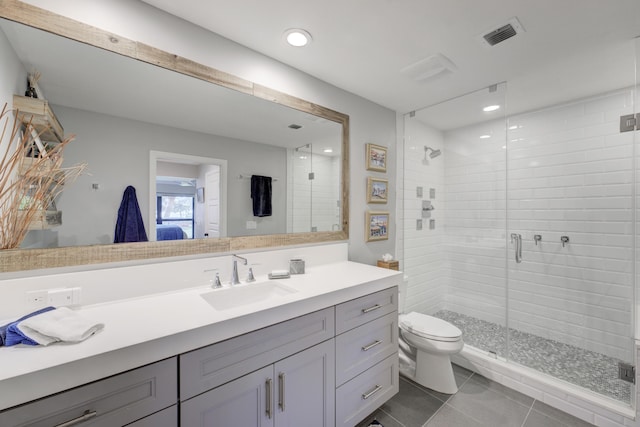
(61, 324)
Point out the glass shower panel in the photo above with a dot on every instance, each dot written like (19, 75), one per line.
(299, 198)
(454, 254)
(570, 196)
(325, 194)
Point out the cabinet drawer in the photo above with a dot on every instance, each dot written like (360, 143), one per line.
(356, 312)
(115, 401)
(362, 395)
(209, 367)
(165, 418)
(360, 348)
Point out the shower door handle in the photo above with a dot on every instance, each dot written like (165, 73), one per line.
(516, 239)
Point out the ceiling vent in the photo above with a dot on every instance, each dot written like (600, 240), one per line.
(504, 32)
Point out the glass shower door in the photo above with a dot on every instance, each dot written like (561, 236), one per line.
(571, 198)
(454, 215)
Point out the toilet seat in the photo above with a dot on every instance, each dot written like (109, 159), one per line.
(430, 327)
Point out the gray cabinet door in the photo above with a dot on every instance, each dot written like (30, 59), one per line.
(242, 402)
(305, 388)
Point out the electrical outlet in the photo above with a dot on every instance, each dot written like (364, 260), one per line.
(36, 299)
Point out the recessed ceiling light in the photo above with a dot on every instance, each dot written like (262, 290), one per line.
(490, 108)
(328, 150)
(485, 136)
(297, 37)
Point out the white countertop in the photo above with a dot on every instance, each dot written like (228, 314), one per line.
(145, 329)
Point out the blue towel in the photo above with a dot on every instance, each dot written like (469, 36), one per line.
(261, 195)
(129, 226)
(11, 335)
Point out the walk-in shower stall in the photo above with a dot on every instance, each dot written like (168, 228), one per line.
(523, 232)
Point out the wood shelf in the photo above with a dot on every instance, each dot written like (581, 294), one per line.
(44, 220)
(39, 113)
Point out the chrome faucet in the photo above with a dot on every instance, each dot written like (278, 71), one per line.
(234, 272)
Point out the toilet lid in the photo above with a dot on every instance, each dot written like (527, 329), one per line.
(429, 327)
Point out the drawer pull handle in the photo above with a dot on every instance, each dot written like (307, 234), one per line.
(281, 378)
(370, 309)
(82, 418)
(376, 389)
(269, 387)
(370, 346)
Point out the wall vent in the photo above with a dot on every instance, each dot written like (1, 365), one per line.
(504, 32)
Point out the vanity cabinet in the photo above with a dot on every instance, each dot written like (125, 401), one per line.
(296, 391)
(366, 355)
(328, 368)
(282, 375)
(111, 402)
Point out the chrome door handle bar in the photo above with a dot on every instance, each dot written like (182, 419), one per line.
(517, 240)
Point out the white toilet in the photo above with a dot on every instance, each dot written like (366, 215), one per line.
(432, 341)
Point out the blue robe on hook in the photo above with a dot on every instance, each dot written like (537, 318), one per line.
(129, 226)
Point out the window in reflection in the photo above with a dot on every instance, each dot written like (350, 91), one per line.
(174, 217)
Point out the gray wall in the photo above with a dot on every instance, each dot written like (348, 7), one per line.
(117, 153)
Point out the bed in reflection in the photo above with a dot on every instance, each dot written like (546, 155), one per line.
(169, 232)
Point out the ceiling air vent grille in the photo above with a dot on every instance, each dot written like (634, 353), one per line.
(500, 35)
(505, 32)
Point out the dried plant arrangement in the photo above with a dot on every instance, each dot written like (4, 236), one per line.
(28, 185)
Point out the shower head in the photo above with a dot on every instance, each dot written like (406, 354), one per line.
(433, 154)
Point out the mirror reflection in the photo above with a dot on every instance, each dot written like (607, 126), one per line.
(189, 147)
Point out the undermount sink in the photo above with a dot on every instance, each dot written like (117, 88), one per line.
(239, 295)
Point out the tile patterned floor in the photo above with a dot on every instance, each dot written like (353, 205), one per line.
(593, 371)
(479, 402)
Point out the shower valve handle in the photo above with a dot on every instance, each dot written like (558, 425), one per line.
(517, 239)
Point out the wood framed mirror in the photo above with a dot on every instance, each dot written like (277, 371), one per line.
(190, 73)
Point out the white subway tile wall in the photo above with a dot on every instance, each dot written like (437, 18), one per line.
(424, 261)
(570, 173)
(313, 203)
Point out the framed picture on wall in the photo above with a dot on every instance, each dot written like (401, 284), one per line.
(377, 190)
(376, 226)
(376, 158)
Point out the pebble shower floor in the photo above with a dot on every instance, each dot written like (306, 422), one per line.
(588, 369)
